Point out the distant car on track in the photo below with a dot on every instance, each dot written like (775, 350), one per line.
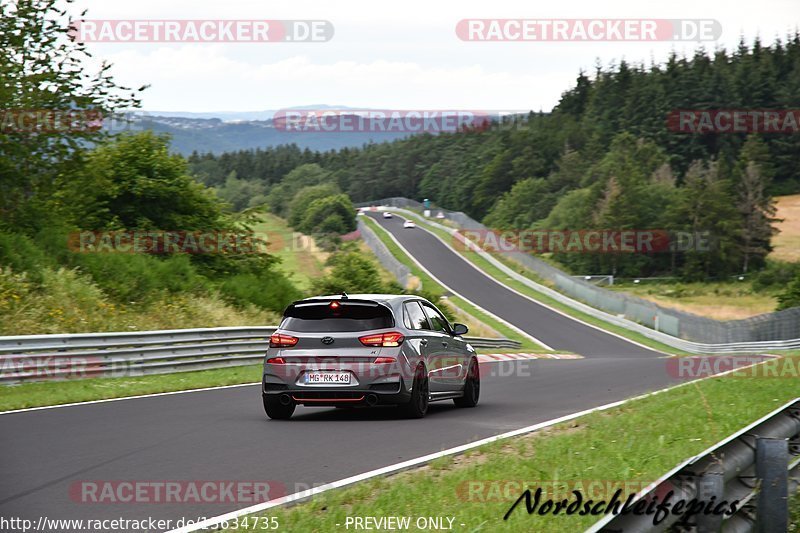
(387, 214)
(366, 350)
(409, 224)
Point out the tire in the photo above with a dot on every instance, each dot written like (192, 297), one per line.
(420, 395)
(276, 410)
(472, 387)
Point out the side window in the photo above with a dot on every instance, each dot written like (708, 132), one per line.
(414, 317)
(438, 322)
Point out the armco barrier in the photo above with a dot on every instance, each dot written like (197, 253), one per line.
(759, 467)
(85, 355)
(779, 330)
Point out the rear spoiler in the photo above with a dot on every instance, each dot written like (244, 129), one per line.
(349, 302)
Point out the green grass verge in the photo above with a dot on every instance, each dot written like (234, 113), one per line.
(428, 282)
(503, 278)
(84, 390)
(637, 442)
(301, 264)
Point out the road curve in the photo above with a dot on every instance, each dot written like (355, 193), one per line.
(223, 435)
(552, 328)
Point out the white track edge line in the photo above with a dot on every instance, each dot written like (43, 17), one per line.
(397, 467)
(138, 396)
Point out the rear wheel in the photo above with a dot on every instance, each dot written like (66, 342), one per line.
(276, 410)
(420, 395)
(472, 388)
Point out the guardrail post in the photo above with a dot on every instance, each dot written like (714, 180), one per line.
(772, 460)
(710, 485)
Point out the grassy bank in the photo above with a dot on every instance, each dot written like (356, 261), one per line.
(718, 300)
(786, 243)
(635, 443)
(301, 260)
(66, 301)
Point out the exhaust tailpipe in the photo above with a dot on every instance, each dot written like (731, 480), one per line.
(372, 399)
(285, 399)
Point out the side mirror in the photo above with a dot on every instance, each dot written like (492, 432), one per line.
(460, 329)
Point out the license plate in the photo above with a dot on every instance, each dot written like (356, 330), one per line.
(327, 378)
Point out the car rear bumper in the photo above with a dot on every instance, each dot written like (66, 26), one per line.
(376, 394)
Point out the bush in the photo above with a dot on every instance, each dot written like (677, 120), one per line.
(68, 302)
(334, 224)
(134, 182)
(300, 177)
(273, 291)
(138, 277)
(790, 297)
(320, 211)
(351, 272)
(776, 274)
(14, 290)
(303, 199)
(240, 192)
(23, 255)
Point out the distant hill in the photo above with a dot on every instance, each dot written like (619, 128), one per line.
(231, 116)
(214, 135)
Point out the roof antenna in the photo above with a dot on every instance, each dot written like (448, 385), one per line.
(344, 295)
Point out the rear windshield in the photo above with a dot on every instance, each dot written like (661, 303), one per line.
(348, 316)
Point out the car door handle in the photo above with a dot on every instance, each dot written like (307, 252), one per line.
(424, 342)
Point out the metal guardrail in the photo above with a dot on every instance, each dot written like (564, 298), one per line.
(759, 466)
(660, 336)
(84, 355)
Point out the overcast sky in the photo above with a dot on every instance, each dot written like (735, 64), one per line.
(399, 55)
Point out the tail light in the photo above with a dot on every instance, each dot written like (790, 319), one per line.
(278, 340)
(384, 360)
(386, 340)
(276, 361)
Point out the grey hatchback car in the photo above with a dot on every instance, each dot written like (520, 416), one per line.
(366, 350)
